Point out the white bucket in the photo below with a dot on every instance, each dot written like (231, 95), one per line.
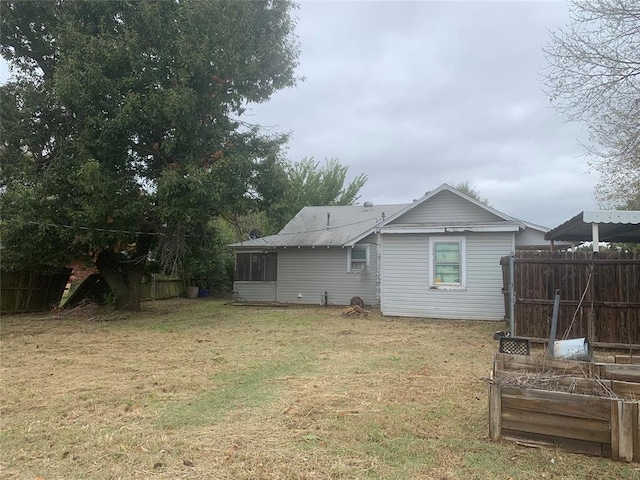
(574, 349)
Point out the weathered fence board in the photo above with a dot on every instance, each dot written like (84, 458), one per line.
(567, 444)
(162, 286)
(636, 434)
(622, 372)
(623, 359)
(556, 425)
(31, 291)
(557, 403)
(626, 389)
(622, 430)
(495, 412)
(627, 373)
(531, 363)
(600, 296)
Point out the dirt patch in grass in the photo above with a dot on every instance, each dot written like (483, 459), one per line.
(200, 389)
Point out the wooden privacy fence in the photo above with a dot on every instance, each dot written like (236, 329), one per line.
(38, 291)
(599, 296)
(162, 286)
(31, 291)
(94, 288)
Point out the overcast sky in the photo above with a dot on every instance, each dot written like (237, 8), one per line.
(416, 94)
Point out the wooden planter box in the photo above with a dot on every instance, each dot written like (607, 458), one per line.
(579, 423)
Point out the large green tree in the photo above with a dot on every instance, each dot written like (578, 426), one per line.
(122, 127)
(311, 184)
(594, 77)
(305, 183)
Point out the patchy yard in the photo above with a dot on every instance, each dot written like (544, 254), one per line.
(198, 389)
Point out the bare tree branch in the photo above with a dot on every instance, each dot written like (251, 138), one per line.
(594, 76)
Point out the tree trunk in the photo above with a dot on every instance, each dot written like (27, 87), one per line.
(124, 283)
(124, 276)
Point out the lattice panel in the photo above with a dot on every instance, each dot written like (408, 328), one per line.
(515, 346)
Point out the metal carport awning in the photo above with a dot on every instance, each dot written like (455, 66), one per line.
(599, 226)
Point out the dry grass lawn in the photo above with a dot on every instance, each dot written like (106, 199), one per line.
(202, 390)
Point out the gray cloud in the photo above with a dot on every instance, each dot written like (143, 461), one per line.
(419, 93)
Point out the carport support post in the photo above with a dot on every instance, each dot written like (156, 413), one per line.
(512, 293)
(595, 237)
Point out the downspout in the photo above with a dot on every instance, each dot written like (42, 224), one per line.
(378, 267)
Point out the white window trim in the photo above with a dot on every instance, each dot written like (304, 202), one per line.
(367, 265)
(463, 263)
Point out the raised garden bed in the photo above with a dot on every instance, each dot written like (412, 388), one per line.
(582, 407)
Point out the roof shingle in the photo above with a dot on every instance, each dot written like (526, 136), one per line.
(309, 227)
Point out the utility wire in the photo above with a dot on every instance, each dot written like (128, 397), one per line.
(158, 234)
(323, 229)
(320, 229)
(93, 229)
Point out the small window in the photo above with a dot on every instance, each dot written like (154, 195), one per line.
(358, 259)
(271, 267)
(256, 267)
(243, 266)
(447, 262)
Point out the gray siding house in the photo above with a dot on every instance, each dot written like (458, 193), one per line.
(437, 257)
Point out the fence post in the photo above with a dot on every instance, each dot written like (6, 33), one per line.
(590, 319)
(495, 412)
(636, 432)
(622, 430)
(512, 296)
(554, 322)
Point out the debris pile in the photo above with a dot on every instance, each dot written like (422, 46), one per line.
(354, 310)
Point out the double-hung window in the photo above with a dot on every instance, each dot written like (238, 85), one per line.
(358, 259)
(447, 262)
(256, 267)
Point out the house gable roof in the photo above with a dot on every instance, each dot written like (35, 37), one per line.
(452, 191)
(348, 225)
(489, 219)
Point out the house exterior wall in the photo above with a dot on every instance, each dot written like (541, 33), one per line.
(530, 237)
(255, 291)
(446, 207)
(312, 271)
(406, 281)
